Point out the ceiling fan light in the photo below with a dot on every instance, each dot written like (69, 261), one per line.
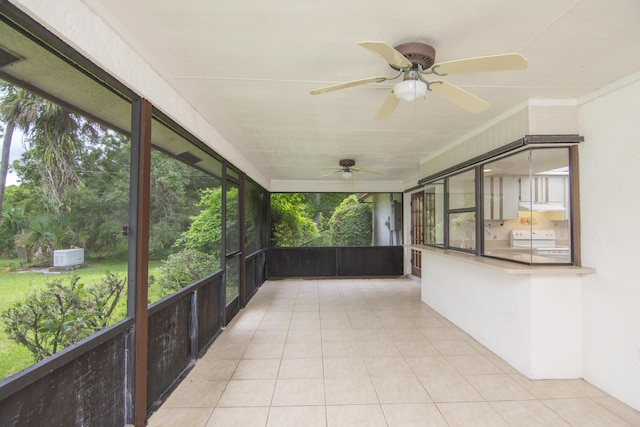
(346, 174)
(409, 90)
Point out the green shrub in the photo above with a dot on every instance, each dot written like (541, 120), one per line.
(351, 223)
(58, 315)
(183, 268)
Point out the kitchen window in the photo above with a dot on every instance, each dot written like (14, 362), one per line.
(516, 205)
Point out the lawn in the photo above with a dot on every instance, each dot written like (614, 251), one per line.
(14, 285)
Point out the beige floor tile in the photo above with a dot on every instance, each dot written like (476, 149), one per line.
(269, 337)
(293, 392)
(365, 335)
(213, 369)
(257, 369)
(498, 387)
(305, 315)
(274, 325)
(296, 416)
(192, 393)
(585, 412)
(406, 334)
(340, 349)
(302, 350)
(400, 390)
(394, 323)
(500, 363)
(620, 409)
(335, 324)
(355, 416)
(304, 336)
(356, 374)
(473, 364)
(587, 390)
(528, 413)
(307, 307)
(365, 323)
(301, 368)
(476, 414)
(424, 366)
(416, 348)
(277, 316)
(548, 389)
(345, 367)
(338, 335)
(454, 347)
(305, 325)
(388, 367)
(346, 391)
(446, 388)
(379, 348)
(247, 393)
(239, 417)
(226, 351)
(413, 415)
(264, 350)
(180, 417)
(437, 334)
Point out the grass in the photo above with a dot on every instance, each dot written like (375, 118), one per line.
(15, 285)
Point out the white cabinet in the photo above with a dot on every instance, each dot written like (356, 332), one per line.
(501, 197)
(545, 192)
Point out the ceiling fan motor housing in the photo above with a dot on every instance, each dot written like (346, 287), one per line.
(418, 54)
(347, 163)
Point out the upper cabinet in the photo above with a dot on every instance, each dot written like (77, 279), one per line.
(544, 193)
(501, 197)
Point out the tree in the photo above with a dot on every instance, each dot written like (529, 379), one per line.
(205, 232)
(58, 315)
(17, 109)
(57, 139)
(290, 223)
(4, 160)
(351, 224)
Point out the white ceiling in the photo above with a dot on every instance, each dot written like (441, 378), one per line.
(248, 66)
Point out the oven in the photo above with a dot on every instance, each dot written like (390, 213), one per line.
(539, 242)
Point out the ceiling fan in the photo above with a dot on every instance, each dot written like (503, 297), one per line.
(346, 169)
(414, 61)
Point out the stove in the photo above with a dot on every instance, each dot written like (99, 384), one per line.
(541, 242)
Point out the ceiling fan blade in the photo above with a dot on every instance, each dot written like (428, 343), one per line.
(458, 96)
(357, 169)
(506, 62)
(388, 107)
(329, 173)
(389, 54)
(348, 84)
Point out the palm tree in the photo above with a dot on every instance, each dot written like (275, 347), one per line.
(17, 109)
(4, 160)
(56, 136)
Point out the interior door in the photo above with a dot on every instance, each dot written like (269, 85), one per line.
(417, 231)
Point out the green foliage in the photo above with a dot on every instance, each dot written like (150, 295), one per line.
(291, 224)
(58, 315)
(205, 232)
(351, 223)
(183, 268)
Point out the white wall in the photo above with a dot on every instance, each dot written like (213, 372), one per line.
(532, 320)
(610, 212)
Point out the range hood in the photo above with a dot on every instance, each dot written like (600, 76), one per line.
(540, 207)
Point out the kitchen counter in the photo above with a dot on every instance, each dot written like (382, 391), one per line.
(505, 266)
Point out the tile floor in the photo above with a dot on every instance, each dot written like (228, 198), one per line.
(367, 353)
